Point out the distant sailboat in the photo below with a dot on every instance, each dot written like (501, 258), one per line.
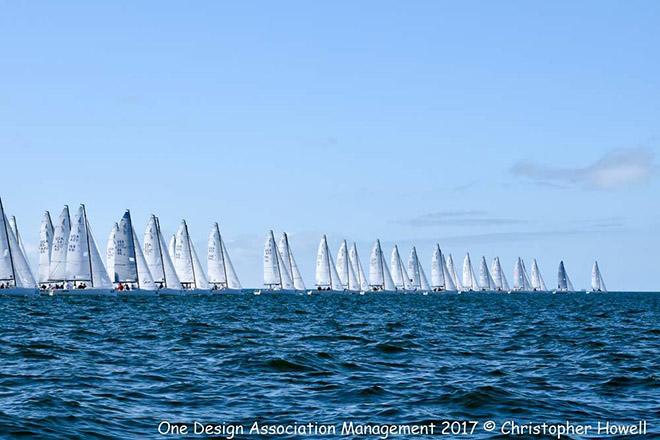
(345, 269)
(159, 259)
(85, 272)
(499, 278)
(399, 273)
(46, 232)
(187, 264)
(486, 282)
(454, 274)
(60, 247)
(597, 282)
(380, 278)
(441, 279)
(469, 279)
(130, 273)
(418, 279)
(357, 268)
(14, 227)
(110, 251)
(276, 275)
(327, 277)
(563, 281)
(290, 263)
(221, 273)
(15, 275)
(537, 279)
(520, 280)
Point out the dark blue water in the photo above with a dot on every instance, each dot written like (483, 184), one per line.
(116, 367)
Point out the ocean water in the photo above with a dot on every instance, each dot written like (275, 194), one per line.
(118, 367)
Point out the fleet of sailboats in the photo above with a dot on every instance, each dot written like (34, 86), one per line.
(69, 262)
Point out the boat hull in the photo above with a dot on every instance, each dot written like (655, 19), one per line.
(83, 292)
(19, 291)
(137, 292)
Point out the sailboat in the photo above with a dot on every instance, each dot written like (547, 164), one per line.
(290, 263)
(62, 230)
(454, 275)
(276, 274)
(399, 272)
(130, 272)
(520, 279)
(327, 277)
(187, 264)
(418, 279)
(597, 283)
(380, 278)
(357, 269)
(159, 259)
(46, 232)
(441, 279)
(501, 284)
(14, 227)
(538, 285)
(85, 273)
(16, 279)
(563, 281)
(469, 279)
(486, 282)
(345, 269)
(222, 275)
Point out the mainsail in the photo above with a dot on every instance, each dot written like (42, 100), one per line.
(417, 276)
(46, 232)
(537, 279)
(60, 247)
(83, 261)
(345, 269)
(157, 257)
(469, 279)
(486, 281)
(438, 270)
(451, 268)
(289, 262)
(14, 267)
(399, 274)
(564, 283)
(186, 262)
(272, 273)
(110, 252)
(357, 268)
(326, 271)
(597, 282)
(379, 275)
(14, 227)
(496, 272)
(220, 269)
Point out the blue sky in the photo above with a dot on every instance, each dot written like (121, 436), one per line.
(501, 128)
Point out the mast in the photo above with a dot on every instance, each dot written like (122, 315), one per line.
(382, 263)
(89, 252)
(192, 264)
(11, 256)
(160, 250)
(222, 253)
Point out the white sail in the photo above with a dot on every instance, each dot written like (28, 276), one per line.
(110, 252)
(100, 278)
(272, 277)
(357, 268)
(376, 275)
(201, 282)
(60, 246)
(388, 282)
(183, 257)
(145, 279)
(290, 262)
(13, 263)
(416, 272)
(46, 232)
(518, 276)
(454, 274)
(449, 279)
(486, 281)
(336, 281)
(322, 274)
(469, 279)
(597, 282)
(287, 281)
(537, 279)
(171, 247)
(125, 262)
(216, 264)
(158, 258)
(343, 264)
(78, 260)
(563, 283)
(400, 276)
(505, 283)
(496, 272)
(438, 270)
(527, 283)
(14, 227)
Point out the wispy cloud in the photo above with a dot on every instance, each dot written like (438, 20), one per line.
(615, 170)
(459, 218)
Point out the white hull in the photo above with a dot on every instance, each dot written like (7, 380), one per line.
(137, 292)
(279, 291)
(19, 291)
(83, 292)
